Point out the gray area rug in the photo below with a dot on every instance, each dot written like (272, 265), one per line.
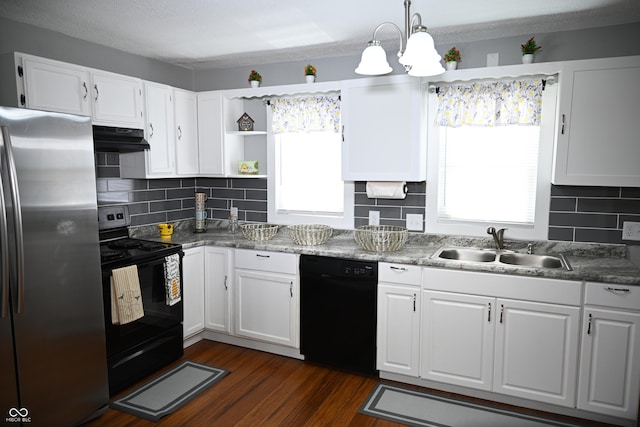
(415, 408)
(169, 391)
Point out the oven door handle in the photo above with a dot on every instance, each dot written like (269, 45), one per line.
(151, 262)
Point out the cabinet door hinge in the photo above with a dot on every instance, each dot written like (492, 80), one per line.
(20, 71)
(23, 99)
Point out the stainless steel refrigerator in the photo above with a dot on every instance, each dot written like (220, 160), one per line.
(53, 367)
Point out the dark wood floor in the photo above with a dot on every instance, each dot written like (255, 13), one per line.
(264, 389)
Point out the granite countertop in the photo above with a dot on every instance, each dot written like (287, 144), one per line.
(589, 262)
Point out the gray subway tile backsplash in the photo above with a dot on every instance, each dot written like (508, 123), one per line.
(580, 214)
(592, 214)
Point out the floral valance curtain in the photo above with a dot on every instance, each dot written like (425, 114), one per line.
(306, 114)
(490, 103)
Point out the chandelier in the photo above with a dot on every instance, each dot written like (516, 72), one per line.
(417, 51)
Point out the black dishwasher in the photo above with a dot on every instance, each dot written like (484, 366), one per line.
(338, 312)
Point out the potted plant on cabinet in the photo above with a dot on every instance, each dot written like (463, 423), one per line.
(452, 58)
(310, 73)
(529, 49)
(254, 78)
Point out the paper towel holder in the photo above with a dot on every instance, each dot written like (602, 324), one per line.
(386, 189)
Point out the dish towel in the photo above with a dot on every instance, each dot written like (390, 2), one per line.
(126, 297)
(172, 278)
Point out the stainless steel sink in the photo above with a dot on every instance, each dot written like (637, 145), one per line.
(502, 257)
(466, 254)
(535, 261)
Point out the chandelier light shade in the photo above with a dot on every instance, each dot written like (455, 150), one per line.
(419, 56)
(374, 60)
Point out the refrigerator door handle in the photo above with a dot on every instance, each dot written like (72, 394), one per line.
(17, 212)
(4, 241)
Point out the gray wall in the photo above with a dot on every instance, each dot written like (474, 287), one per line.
(603, 42)
(17, 37)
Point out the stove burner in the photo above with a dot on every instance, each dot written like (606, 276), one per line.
(110, 254)
(124, 244)
(149, 245)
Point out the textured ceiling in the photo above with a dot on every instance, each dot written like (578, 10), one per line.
(202, 34)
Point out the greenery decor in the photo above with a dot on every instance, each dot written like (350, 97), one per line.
(530, 47)
(453, 55)
(255, 76)
(309, 70)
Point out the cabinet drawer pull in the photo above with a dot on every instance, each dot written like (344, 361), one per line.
(263, 256)
(562, 128)
(398, 268)
(414, 302)
(291, 289)
(226, 280)
(151, 127)
(97, 92)
(609, 288)
(589, 324)
(179, 132)
(86, 91)
(489, 316)
(501, 312)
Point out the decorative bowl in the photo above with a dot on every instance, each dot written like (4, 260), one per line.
(259, 232)
(310, 234)
(381, 238)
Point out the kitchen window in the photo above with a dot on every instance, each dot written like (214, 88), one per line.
(305, 184)
(490, 156)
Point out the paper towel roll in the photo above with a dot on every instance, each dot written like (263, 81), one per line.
(386, 189)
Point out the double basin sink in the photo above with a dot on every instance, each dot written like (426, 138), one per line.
(503, 257)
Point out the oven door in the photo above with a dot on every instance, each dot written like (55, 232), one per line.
(158, 316)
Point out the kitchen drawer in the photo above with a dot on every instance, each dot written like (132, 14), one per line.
(276, 262)
(612, 295)
(399, 273)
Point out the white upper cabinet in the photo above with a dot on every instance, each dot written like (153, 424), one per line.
(186, 132)
(159, 160)
(160, 129)
(56, 86)
(598, 123)
(117, 100)
(210, 133)
(110, 99)
(383, 133)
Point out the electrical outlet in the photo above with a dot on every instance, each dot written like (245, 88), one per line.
(631, 230)
(374, 217)
(414, 222)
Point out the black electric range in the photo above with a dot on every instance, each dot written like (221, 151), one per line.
(141, 347)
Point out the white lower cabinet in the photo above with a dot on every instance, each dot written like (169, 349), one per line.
(193, 275)
(398, 329)
(489, 341)
(458, 339)
(266, 294)
(536, 351)
(609, 380)
(217, 290)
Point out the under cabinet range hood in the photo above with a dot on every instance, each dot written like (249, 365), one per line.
(123, 140)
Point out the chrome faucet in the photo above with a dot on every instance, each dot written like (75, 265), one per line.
(498, 236)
